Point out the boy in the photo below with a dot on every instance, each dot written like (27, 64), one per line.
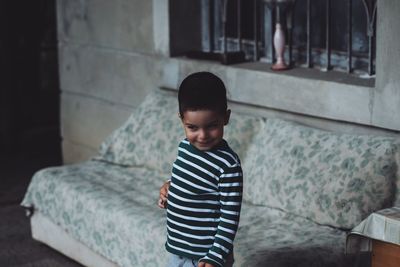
(205, 190)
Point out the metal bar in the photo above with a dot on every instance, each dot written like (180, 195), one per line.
(224, 25)
(309, 59)
(371, 68)
(370, 10)
(211, 25)
(273, 22)
(350, 37)
(256, 50)
(290, 41)
(265, 26)
(370, 56)
(289, 25)
(328, 34)
(261, 26)
(239, 24)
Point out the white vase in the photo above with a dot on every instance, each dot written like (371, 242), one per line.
(279, 44)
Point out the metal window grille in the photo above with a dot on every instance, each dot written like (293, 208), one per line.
(321, 34)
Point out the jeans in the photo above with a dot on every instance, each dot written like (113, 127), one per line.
(178, 261)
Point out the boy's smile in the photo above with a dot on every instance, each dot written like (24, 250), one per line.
(204, 128)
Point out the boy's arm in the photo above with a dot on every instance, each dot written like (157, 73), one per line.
(231, 188)
(205, 264)
(162, 201)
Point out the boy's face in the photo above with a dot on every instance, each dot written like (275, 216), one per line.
(204, 128)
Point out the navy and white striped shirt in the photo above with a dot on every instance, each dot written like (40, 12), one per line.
(204, 202)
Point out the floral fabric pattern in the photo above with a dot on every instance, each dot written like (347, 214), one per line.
(274, 238)
(118, 218)
(333, 179)
(296, 180)
(109, 208)
(150, 137)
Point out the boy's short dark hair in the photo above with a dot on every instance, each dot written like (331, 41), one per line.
(200, 91)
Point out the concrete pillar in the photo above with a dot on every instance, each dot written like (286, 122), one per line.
(386, 107)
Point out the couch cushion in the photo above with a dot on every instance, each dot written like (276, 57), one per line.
(151, 135)
(241, 131)
(112, 210)
(273, 238)
(109, 208)
(331, 178)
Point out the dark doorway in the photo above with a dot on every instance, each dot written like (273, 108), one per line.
(29, 94)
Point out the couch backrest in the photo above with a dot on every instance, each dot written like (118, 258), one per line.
(334, 179)
(151, 135)
(148, 138)
(331, 178)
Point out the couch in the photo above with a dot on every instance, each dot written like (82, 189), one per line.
(304, 189)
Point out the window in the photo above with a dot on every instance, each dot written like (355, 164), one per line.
(325, 34)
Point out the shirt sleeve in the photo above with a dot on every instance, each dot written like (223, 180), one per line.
(230, 187)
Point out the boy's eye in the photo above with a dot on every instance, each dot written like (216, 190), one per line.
(191, 127)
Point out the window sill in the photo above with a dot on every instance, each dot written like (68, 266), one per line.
(328, 95)
(313, 74)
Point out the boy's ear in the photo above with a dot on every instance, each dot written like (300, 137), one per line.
(227, 116)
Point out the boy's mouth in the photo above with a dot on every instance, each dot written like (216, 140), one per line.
(204, 143)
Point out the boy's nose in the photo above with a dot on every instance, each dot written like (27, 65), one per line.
(203, 134)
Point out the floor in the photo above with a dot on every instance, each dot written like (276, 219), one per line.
(17, 248)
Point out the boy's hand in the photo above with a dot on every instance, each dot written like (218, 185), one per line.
(204, 264)
(162, 202)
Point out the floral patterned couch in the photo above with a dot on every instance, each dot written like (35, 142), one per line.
(304, 188)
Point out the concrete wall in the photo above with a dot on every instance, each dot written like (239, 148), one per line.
(113, 53)
(108, 53)
(387, 93)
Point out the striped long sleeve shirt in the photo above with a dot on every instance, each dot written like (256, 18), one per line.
(204, 202)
